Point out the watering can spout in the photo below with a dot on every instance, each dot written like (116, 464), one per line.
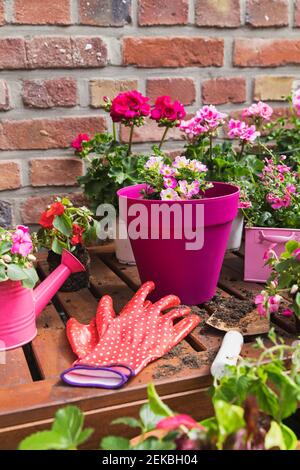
(48, 288)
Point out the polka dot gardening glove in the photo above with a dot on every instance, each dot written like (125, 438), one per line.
(141, 334)
(84, 338)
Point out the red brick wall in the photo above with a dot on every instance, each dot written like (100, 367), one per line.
(58, 58)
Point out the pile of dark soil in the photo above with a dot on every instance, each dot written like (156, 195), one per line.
(230, 310)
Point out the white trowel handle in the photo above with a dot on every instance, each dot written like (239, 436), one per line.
(228, 353)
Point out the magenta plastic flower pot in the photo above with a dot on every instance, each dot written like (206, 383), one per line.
(165, 251)
(258, 241)
(19, 307)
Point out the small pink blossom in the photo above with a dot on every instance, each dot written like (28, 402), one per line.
(77, 143)
(245, 204)
(291, 188)
(154, 163)
(22, 243)
(166, 170)
(170, 182)
(169, 194)
(239, 129)
(287, 312)
(195, 165)
(181, 162)
(259, 110)
(172, 423)
(260, 303)
(297, 253)
(296, 101)
(270, 253)
(274, 303)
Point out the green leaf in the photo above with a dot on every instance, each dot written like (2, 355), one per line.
(3, 275)
(115, 443)
(131, 422)
(274, 437)
(16, 273)
(291, 246)
(156, 404)
(230, 418)
(31, 278)
(69, 423)
(149, 418)
(153, 443)
(57, 246)
(5, 247)
(44, 440)
(267, 399)
(289, 437)
(62, 224)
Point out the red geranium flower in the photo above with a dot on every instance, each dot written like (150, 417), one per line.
(174, 422)
(129, 106)
(77, 235)
(47, 217)
(165, 109)
(77, 143)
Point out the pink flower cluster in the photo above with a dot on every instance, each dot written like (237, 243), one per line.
(22, 243)
(241, 130)
(129, 106)
(165, 110)
(296, 102)
(266, 304)
(78, 141)
(207, 120)
(258, 110)
(281, 180)
(175, 185)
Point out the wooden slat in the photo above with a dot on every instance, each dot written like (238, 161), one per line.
(51, 348)
(14, 368)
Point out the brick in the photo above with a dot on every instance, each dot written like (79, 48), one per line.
(32, 207)
(46, 133)
(150, 132)
(224, 90)
(109, 88)
(173, 52)
(12, 54)
(163, 12)
(105, 12)
(4, 96)
(9, 175)
(50, 93)
(219, 14)
(2, 13)
(5, 214)
(182, 89)
(49, 12)
(66, 52)
(266, 52)
(272, 88)
(267, 13)
(55, 171)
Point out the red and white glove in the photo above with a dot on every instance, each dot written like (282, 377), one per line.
(127, 343)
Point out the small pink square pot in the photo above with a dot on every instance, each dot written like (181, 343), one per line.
(257, 242)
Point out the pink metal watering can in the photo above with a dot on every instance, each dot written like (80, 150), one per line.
(19, 307)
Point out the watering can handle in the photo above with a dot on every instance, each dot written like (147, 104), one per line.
(228, 353)
(275, 238)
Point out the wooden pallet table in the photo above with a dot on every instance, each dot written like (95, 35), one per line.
(31, 390)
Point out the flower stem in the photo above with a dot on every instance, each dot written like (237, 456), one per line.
(130, 140)
(210, 146)
(242, 149)
(114, 132)
(163, 137)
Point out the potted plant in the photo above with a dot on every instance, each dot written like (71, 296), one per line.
(64, 226)
(274, 215)
(282, 292)
(111, 165)
(194, 239)
(226, 161)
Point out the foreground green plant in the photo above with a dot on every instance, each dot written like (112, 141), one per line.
(250, 403)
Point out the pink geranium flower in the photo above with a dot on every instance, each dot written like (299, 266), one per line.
(77, 143)
(165, 109)
(129, 106)
(22, 243)
(296, 101)
(259, 110)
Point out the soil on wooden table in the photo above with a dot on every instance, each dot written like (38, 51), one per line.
(231, 311)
